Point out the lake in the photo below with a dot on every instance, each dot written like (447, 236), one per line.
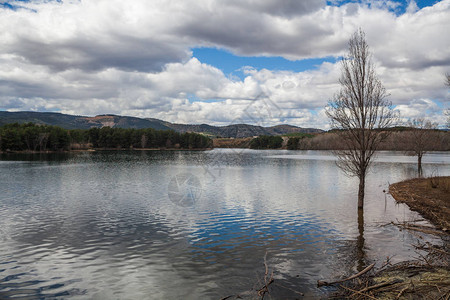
(194, 224)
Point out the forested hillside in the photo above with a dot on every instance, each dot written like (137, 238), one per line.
(114, 121)
(32, 137)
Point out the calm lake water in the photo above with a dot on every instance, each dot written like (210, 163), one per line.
(192, 224)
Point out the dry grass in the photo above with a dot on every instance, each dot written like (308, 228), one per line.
(428, 277)
(428, 196)
(402, 282)
(231, 143)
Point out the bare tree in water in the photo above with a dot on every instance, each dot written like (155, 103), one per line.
(359, 111)
(422, 138)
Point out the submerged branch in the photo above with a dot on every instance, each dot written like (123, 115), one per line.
(325, 283)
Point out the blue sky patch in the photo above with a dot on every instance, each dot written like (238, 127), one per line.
(193, 98)
(399, 6)
(232, 64)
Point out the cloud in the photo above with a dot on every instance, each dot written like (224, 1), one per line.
(133, 57)
(421, 108)
(92, 35)
(414, 40)
(412, 7)
(287, 8)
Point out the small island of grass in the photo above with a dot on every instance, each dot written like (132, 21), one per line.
(428, 196)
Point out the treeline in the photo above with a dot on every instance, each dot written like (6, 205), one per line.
(266, 142)
(32, 137)
(401, 140)
(294, 142)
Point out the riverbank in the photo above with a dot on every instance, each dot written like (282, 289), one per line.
(428, 196)
(102, 149)
(426, 277)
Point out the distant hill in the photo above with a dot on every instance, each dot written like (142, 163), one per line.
(78, 122)
(240, 130)
(82, 122)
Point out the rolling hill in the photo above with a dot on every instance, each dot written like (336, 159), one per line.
(78, 122)
(83, 122)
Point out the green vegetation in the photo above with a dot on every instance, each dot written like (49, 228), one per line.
(32, 137)
(294, 142)
(266, 142)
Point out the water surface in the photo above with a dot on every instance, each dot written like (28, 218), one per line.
(193, 224)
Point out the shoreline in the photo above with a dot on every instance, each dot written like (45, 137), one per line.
(216, 146)
(424, 277)
(101, 149)
(430, 197)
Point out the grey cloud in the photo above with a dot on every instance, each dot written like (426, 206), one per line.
(245, 27)
(287, 8)
(416, 63)
(251, 34)
(51, 88)
(11, 103)
(289, 28)
(124, 53)
(119, 57)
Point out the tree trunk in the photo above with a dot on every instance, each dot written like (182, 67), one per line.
(362, 180)
(419, 165)
(361, 255)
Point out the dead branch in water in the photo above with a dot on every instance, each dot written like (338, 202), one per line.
(292, 290)
(267, 280)
(431, 249)
(325, 283)
(427, 277)
(420, 228)
(260, 292)
(357, 292)
(380, 285)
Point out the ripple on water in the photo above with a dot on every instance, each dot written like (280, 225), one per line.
(101, 225)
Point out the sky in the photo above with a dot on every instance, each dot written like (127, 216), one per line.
(262, 62)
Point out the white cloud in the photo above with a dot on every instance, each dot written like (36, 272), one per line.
(412, 7)
(134, 58)
(421, 108)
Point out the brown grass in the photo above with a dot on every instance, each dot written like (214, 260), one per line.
(232, 143)
(428, 196)
(401, 281)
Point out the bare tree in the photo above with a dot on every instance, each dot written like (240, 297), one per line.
(422, 138)
(144, 140)
(43, 138)
(360, 111)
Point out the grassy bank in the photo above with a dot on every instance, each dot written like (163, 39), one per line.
(428, 196)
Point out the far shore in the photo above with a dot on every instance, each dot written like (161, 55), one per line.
(102, 149)
(167, 149)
